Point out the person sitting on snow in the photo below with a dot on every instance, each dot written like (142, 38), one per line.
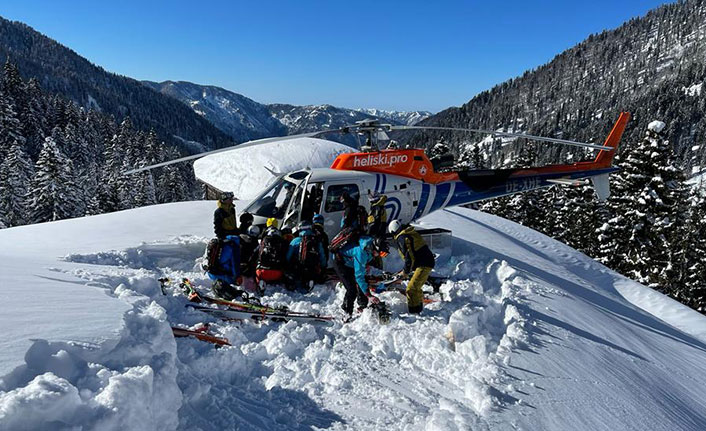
(249, 245)
(417, 259)
(320, 233)
(271, 255)
(351, 267)
(306, 258)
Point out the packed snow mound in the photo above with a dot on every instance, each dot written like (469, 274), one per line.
(527, 334)
(246, 171)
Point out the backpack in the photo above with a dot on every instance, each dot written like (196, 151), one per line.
(350, 234)
(213, 256)
(309, 253)
(270, 255)
(343, 237)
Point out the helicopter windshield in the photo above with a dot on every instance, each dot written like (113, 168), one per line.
(274, 202)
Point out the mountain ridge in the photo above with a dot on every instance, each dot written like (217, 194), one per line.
(245, 119)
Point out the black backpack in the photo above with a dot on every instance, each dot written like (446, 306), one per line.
(213, 256)
(271, 253)
(309, 253)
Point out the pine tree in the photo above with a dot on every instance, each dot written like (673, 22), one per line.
(54, 195)
(10, 126)
(646, 206)
(16, 173)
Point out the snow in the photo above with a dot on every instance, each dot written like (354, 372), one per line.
(531, 335)
(694, 90)
(656, 126)
(244, 171)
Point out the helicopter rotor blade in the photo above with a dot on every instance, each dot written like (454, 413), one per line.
(510, 135)
(234, 147)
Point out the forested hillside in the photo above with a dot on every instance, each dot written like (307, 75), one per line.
(59, 161)
(59, 70)
(653, 67)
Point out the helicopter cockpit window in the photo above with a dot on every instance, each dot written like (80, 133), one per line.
(333, 198)
(274, 202)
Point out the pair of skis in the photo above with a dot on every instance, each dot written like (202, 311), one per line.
(200, 333)
(249, 310)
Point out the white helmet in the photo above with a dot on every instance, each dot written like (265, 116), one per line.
(254, 231)
(394, 226)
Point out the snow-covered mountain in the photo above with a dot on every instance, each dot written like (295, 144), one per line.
(238, 116)
(244, 119)
(408, 118)
(528, 334)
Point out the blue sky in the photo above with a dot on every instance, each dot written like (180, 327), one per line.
(426, 55)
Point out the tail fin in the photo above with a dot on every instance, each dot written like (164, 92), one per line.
(605, 157)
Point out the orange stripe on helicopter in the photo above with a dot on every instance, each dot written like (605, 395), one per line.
(414, 163)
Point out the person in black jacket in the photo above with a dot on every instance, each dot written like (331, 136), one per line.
(224, 221)
(246, 220)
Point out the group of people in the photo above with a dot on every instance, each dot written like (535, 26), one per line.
(243, 255)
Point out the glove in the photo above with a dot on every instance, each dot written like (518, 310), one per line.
(373, 299)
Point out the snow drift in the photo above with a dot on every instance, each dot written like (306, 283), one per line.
(530, 334)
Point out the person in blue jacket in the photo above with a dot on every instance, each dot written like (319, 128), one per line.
(306, 257)
(351, 267)
(226, 274)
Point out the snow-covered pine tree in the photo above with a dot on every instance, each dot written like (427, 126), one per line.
(575, 218)
(172, 186)
(54, 194)
(689, 273)
(10, 126)
(126, 143)
(108, 185)
(16, 173)
(470, 156)
(33, 116)
(12, 84)
(646, 204)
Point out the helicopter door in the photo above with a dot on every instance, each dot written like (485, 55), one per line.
(333, 207)
(295, 206)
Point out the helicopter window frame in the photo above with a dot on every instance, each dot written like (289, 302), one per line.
(332, 203)
(266, 205)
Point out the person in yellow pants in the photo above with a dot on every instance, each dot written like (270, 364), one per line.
(418, 261)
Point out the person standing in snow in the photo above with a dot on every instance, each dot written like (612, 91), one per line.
(377, 222)
(418, 260)
(351, 267)
(353, 224)
(224, 221)
(377, 219)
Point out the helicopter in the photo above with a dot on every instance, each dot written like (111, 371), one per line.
(414, 186)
